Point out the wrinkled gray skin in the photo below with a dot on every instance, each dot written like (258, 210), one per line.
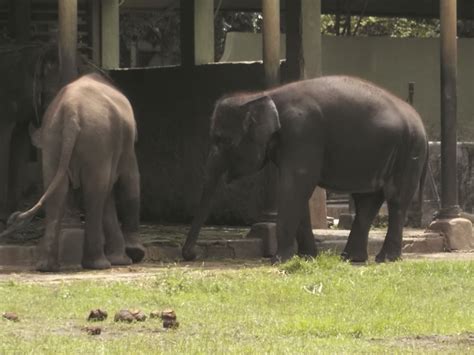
(336, 132)
(87, 139)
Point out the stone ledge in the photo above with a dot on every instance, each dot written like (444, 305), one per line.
(415, 241)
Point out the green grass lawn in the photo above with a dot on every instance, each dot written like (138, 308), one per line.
(300, 307)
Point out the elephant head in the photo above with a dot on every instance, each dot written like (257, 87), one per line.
(242, 128)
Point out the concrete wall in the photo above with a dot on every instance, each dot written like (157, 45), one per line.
(391, 63)
(173, 107)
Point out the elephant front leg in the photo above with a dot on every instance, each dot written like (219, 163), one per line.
(6, 131)
(293, 194)
(20, 146)
(305, 237)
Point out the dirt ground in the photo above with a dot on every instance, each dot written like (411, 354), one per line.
(148, 270)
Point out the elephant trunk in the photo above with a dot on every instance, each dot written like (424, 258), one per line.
(215, 168)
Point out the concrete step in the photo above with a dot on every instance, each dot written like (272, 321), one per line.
(415, 241)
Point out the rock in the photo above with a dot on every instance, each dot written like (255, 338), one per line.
(97, 315)
(169, 319)
(93, 330)
(168, 314)
(170, 323)
(11, 316)
(124, 315)
(457, 231)
(138, 315)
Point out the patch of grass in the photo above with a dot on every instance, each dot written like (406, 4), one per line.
(303, 306)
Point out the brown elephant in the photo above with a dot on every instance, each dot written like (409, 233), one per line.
(87, 138)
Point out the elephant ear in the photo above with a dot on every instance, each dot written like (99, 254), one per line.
(261, 119)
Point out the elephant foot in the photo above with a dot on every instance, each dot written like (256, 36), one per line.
(391, 257)
(189, 254)
(135, 251)
(307, 252)
(96, 263)
(47, 266)
(119, 259)
(354, 257)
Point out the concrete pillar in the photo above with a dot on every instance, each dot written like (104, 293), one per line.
(457, 231)
(304, 53)
(110, 34)
(19, 19)
(271, 66)
(449, 192)
(197, 32)
(67, 41)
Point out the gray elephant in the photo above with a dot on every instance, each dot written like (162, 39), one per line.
(337, 132)
(87, 138)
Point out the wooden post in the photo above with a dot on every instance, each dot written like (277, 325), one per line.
(449, 193)
(303, 48)
(67, 28)
(204, 31)
(266, 228)
(133, 54)
(94, 11)
(110, 34)
(19, 18)
(271, 65)
(271, 42)
(197, 32)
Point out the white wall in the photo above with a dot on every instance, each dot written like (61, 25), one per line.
(391, 63)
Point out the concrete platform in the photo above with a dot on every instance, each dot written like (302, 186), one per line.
(163, 243)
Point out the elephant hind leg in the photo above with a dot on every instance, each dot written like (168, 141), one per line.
(95, 187)
(114, 241)
(399, 194)
(128, 193)
(367, 206)
(392, 245)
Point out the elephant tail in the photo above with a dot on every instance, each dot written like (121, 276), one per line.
(70, 132)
